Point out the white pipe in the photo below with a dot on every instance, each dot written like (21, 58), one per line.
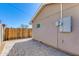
(61, 10)
(61, 16)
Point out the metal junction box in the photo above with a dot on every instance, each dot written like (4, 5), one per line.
(65, 24)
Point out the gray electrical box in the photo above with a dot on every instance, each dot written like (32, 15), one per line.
(67, 24)
(64, 24)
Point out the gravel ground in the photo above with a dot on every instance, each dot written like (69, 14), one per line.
(34, 48)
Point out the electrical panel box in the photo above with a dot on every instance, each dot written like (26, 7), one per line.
(64, 24)
(67, 25)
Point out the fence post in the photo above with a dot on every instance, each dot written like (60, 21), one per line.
(1, 33)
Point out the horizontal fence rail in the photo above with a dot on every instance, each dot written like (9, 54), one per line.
(17, 33)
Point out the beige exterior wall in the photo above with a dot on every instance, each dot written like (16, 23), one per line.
(48, 32)
(70, 40)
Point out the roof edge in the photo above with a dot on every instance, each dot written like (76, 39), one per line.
(38, 11)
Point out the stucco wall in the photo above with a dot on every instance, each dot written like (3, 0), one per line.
(70, 40)
(48, 32)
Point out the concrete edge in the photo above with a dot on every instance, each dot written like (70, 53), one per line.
(9, 45)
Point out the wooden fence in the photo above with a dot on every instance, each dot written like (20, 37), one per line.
(17, 33)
